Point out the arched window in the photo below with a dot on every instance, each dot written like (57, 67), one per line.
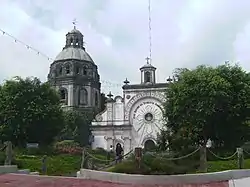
(77, 42)
(83, 96)
(67, 69)
(60, 70)
(96, 99)
(77, 70)
(84, 71)
(63, 95)
(147, 77)
(71, 41)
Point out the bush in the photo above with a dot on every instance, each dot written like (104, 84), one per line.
(130, 167)
(68, 147)
(36, 151)
(154, 164)
(99, 151)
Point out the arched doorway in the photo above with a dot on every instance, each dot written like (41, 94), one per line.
(118, 146)
(149, 145)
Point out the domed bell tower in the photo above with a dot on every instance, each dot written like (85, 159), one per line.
(75, 75)
(148, 73)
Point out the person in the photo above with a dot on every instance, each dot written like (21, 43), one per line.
(119, 152)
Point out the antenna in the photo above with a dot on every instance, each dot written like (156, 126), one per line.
(149, 31)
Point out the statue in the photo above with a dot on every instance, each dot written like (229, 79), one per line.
(8, 153)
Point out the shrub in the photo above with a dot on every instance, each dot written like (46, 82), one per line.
(68, 147)
(99, 151)
(157, 165)
(130, 167)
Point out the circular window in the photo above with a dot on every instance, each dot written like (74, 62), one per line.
(148, 117)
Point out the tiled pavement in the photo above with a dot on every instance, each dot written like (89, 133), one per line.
(15, 180)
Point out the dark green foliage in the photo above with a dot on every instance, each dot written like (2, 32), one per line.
(98, 151)
(29, 112)
(48, 150)
(129, 167)
(157, 164)
(208, 103)
(76, 126)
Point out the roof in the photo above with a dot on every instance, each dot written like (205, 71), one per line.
(21, 180)
(148, 66)
(145, 86)
(74, 53)
(75, 31)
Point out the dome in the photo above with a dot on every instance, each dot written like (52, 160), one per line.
(147, 66)
(75, 31)
(73, 53)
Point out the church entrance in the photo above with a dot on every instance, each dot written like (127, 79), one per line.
(149, 145)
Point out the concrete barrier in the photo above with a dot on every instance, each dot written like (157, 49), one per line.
(23, 171)
(8, 169)
(238, 176)
(34, 173)
(243, 182)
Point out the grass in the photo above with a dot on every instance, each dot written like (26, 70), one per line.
(60, 165)
(57, 165)
(68, 165)
(213, 166)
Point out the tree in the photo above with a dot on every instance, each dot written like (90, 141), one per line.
(209, 103)
(76, 126)
(30, 111)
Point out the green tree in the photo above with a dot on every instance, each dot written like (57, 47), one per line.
(208, 103)
(30, 111)
(76, 126)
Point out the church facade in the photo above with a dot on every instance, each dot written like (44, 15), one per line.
(134, 119)
(75, 75)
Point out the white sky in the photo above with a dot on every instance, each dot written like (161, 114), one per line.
(185, 33)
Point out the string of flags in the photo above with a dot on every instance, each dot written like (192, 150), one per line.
(28, 47)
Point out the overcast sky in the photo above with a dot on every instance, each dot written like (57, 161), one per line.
(185, 33)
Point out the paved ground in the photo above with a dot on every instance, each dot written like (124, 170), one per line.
(13, 180)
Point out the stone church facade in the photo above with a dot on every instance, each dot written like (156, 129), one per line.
(134, 119)
(75, 75)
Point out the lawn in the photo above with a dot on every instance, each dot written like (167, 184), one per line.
(68, 165)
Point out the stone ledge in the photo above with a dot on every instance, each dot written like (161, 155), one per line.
(163, 179)
(8, 169)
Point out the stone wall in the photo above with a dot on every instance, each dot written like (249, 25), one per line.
(8, 169)
(235, 178)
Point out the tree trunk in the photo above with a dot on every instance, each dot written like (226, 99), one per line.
(203, 158)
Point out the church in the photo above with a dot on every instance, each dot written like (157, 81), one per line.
(132, 120)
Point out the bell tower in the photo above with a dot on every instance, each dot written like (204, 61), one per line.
(148, 73)
(75, 75)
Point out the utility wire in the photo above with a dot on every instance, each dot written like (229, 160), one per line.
(38, 52)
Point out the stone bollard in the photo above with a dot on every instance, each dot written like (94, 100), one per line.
(240, 158)
(138, 156)
(8, 153)
(44, 165)
(83, 158)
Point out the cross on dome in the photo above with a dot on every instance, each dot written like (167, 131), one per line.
(148, 60)
(74, 23)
